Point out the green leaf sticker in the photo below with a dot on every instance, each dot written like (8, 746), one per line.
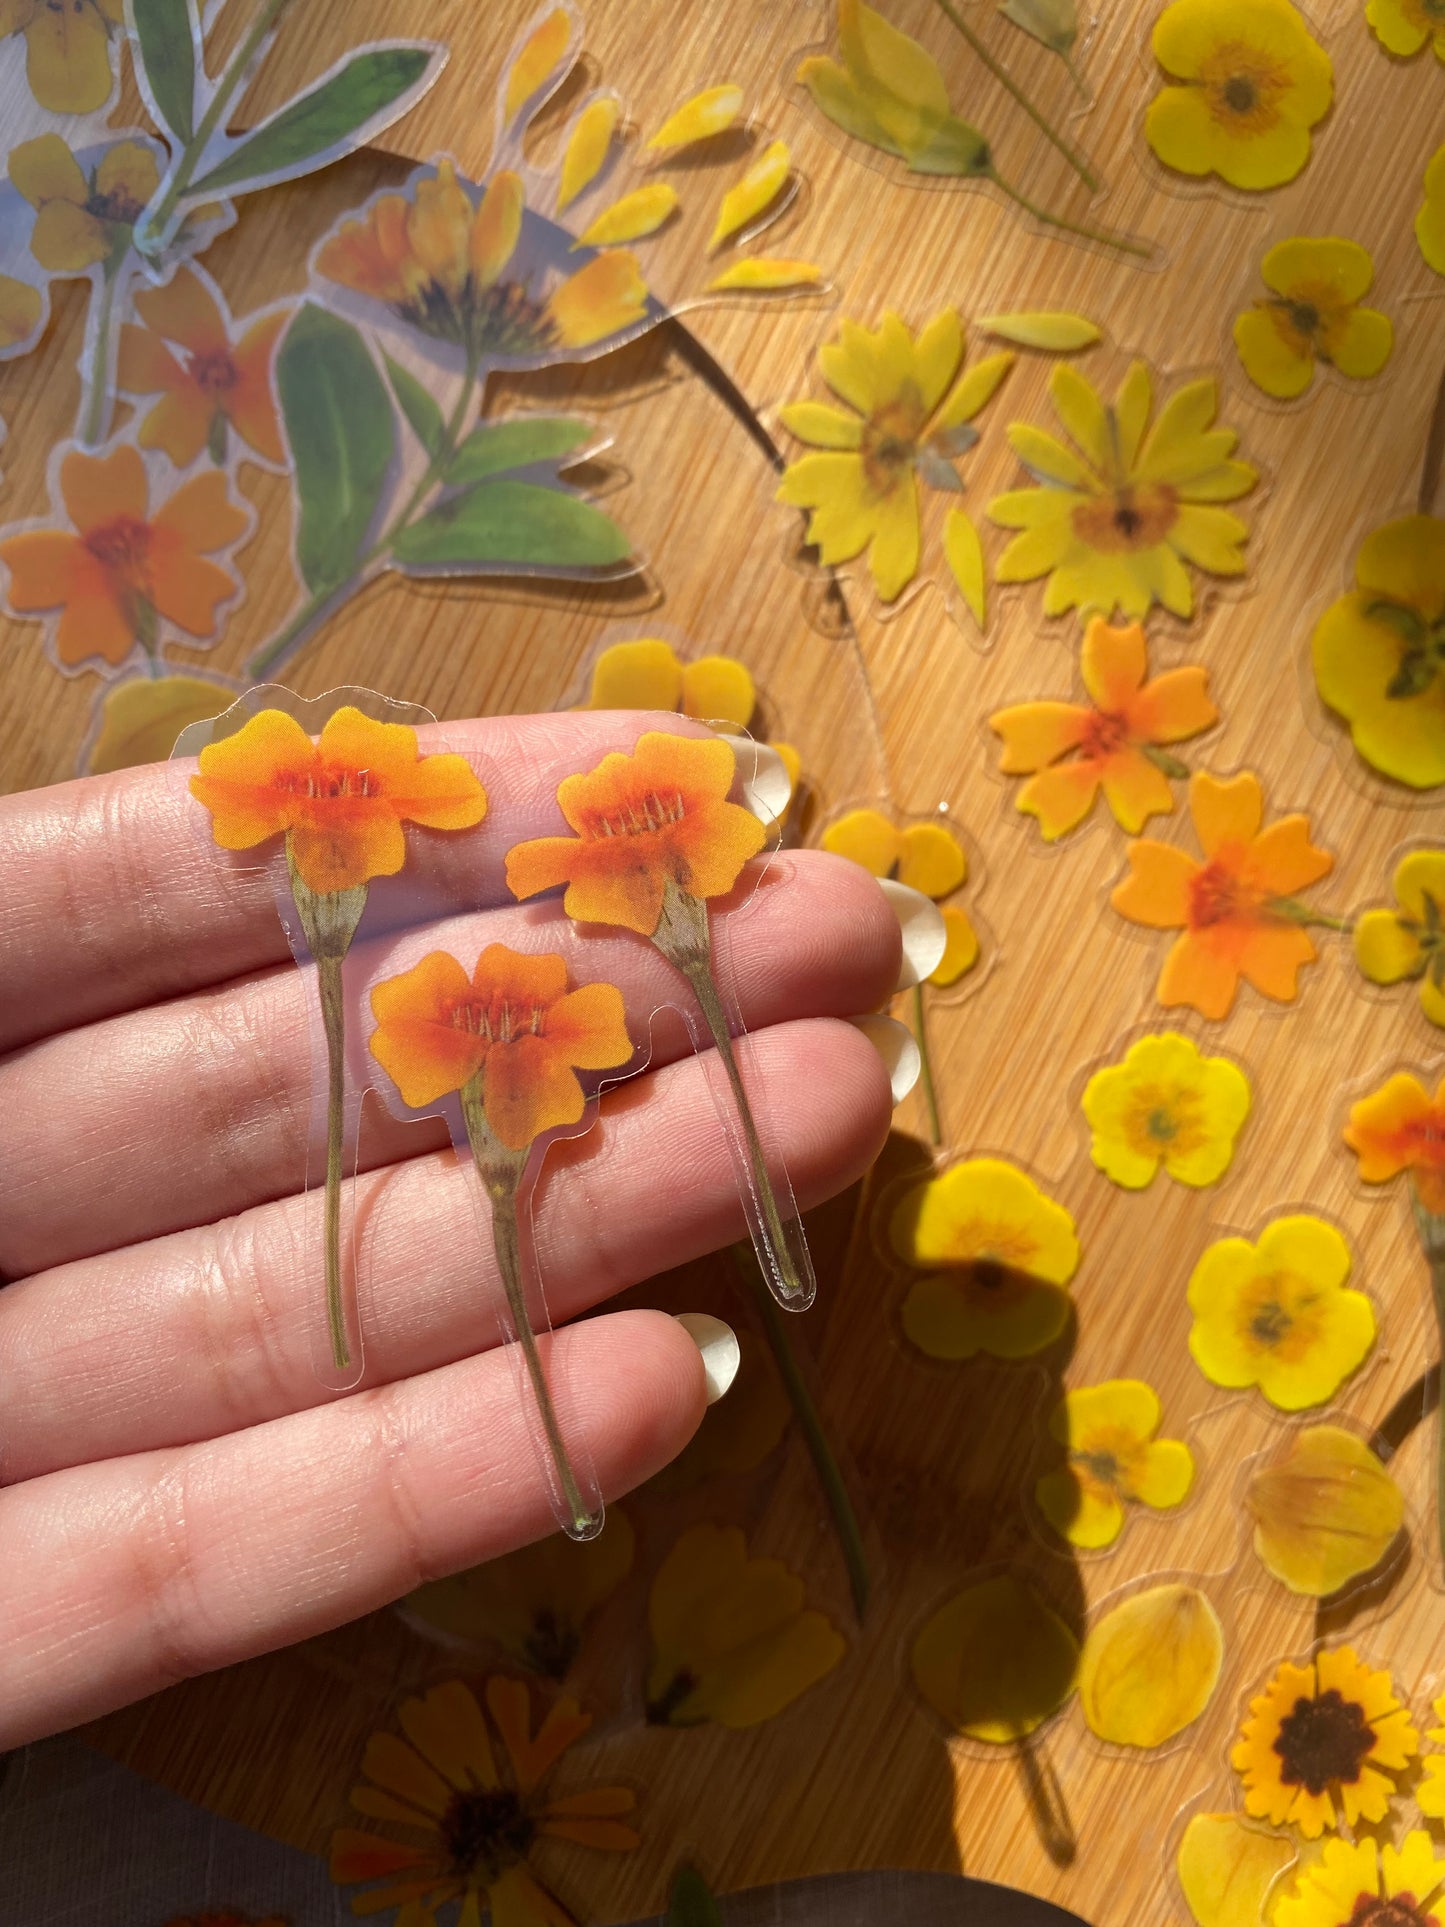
(166, 38)
(512, 524)
(348, 108)
(494, 447)
(342, 435)
(418, 404)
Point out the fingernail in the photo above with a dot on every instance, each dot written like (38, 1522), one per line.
(924, 935)
(718, 1344)
(897, 1046)
(766, 784)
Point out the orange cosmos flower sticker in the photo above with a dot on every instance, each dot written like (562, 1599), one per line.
(1235, 907)
(655, 839)
(340, 803)
(1400, 1128)
(1116, 743)
(510, 1040)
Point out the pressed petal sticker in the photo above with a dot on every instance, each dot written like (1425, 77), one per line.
(640, 213)
(588, 145)
(1279, 1315)
(1227, 1867)
(1166, 1105)
(142, 716)
(995, 1661)
(1150, 1666)
(711, 112)
(963, 553)
(1407, 944)
(1052, 331)
(764, 274)
(1324, 1514)
(1114, 1462)
(754, 193)
(1401, 1128)
(537, 60)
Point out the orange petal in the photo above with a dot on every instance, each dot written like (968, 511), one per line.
(1272, 957)
(43, 565)
(1036, 734)
(1060, 798)
(1113, 662)
(600, 299)
(538, 59)
(438, 792)
(1135, 789)
(99, 488)
(496, 227)
(590, 1026)
(1286, 859)
(144, 365)
(1383, 1125)
(1174, 706)
(717, 840)
(520, 977)
(1225, 812)
(1199, 975)
(185, 588)
(607, 886)
(421, 1051)
(201, 515)
(542, 864)
(185, 311)
(341, 843)
(180, 423)
(250, 404)
(249, 782)
(528, 1087)
(95, 621)
(1156, 891)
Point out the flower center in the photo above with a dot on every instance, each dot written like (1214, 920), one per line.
(214, 371)
(1219, 894)
(119, 208)
(1402, 1910)
(485, 1830)
(332, 782)
(122, 547)
(1163, 1117)
(504, 319)
(1127, 519)
(1270, 1322)
(1104, 735)
(495, 1018)
(641, 815)
(1323, 1742)
(1244, 88)
(890, 440)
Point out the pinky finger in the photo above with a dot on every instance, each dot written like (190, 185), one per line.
(124, 1577)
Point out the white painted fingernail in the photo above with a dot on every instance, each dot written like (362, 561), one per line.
(924, 935)
(766, 785)
(897, 1046)
(718, 1344)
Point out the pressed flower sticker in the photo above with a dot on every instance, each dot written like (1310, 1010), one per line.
(1114, 1461)
(340, 803)
(1228, 1866)
(1249, 84)
(654, 840)
(996, 1254)
(1404, 27)
(1312, 315)
(1325, 1514)
(1150, 1666)
(995, 1661)
(1322, 1745)
(1166, 1104)
(1123, 508)
(1278, 1314)
(67, 51)
(1357, 1881)
(1236, 907)
(907, 419)
(470, 1789)
(1407, 944)
(1118, 743)
(509, 1039)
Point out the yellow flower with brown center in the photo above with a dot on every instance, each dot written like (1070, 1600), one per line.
(1312, 314)
(996, 1256)
(1113, 1461)
(1403, 27)
(67, 50)
(1358, 1883)
(455, 267)
(1124, 508)
(1322, 1744)
(82, 221)
(1407, 945)
(907, 419)
(1277, 1314)
(474, 1809)
(1250, 83)
(1166, 1103)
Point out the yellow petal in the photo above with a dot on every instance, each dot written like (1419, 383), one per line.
(538, 60)
(974, 387)
(44, 170)
(1053, 331)
(1324, 1514)
(20, 310)
(867, 838)
(637, 214)
(757, 189)
(960, 948)
(718, 689)
(931, 859)
(995, 1662)
(820, 425)
(1385, 950)
(764, 274)
(140, 719)
(1150, 1666)
(1227, 1867)
(964, 554)
(711, 112)
(645, 674)
(587, 147)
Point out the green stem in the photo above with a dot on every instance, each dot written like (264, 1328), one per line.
(1085, 232)
(152, 227)
(830, 1476)
(267, 657)
(1288, 910)
(930, 1094)
(1005, 80)
(1075, 75)
(333, 1019)
(97, 386)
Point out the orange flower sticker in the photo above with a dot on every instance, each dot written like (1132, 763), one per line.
(124, 569)
(1116, 743)
(212, 386)
(1236, 908)
(655, 839)
(1401, 1128)
(340, 803)
(510, 1039)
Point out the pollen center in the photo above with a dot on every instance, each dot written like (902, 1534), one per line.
(214, 371)
(1244, 89)
(1219, 894)
(642, 815)
(486, 1830)
(1104, 735)
(1323, 1742)
(1402, 1910)
(890, 440)
(122, 547)
(1128, 519)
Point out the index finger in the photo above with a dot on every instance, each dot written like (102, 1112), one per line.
(116, 897)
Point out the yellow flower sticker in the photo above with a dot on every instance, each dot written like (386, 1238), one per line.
(1407, 945)
(1313, 315)
(925, 856)
(994, 1662)
(1404, 27)
(1166, 1104)
(1250, 83)
(996, 1255)
(733, 1639)
(1124, 508)
(1358, 1881)
(1377, 651)
(1150, 1666)
(67, 50)
(1114, 1461)
(1430, 1794)
(1278, 1315)
(1227, 1867)
(907, 419)
(1322, 1744)
(1324, 1514)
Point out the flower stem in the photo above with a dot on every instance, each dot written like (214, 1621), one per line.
(500, 1171)
(1289, 910)
(1085, 232)
(150, 230)
(930, 1094)
(97, 387)
(333, 1020)
(830, 1475)
(1005, 80)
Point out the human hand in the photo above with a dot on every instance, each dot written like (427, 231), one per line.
(180, 1489)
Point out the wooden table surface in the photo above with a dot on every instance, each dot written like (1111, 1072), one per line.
(890, 705)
